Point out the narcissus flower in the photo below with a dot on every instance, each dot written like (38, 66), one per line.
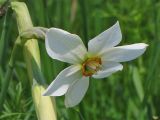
(100, 60)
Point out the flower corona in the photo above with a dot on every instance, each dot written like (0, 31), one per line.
(91, 66)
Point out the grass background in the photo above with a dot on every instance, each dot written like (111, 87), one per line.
(132, 94)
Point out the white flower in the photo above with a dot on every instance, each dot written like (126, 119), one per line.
(100, 60)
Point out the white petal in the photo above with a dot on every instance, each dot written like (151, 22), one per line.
(107, 69)
(109, 38)
(62, 82)
(64, 46)
(76, 92)
(124, 53)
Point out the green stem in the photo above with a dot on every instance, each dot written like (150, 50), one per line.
(5, 86)
(2, 41)
(8, 74)
(14, 52)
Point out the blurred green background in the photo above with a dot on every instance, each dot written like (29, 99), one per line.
(132, 94)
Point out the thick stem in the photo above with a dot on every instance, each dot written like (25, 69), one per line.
(32, 58)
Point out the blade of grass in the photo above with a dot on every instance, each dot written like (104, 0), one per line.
(82, 4)
(138, 83)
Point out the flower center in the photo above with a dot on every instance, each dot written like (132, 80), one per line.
(91, 66)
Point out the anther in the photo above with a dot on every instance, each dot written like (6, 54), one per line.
(91, 66)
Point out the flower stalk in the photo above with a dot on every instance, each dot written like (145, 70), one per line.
(45, 107)
(42, 103)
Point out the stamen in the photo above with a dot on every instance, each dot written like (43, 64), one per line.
(91, 66)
